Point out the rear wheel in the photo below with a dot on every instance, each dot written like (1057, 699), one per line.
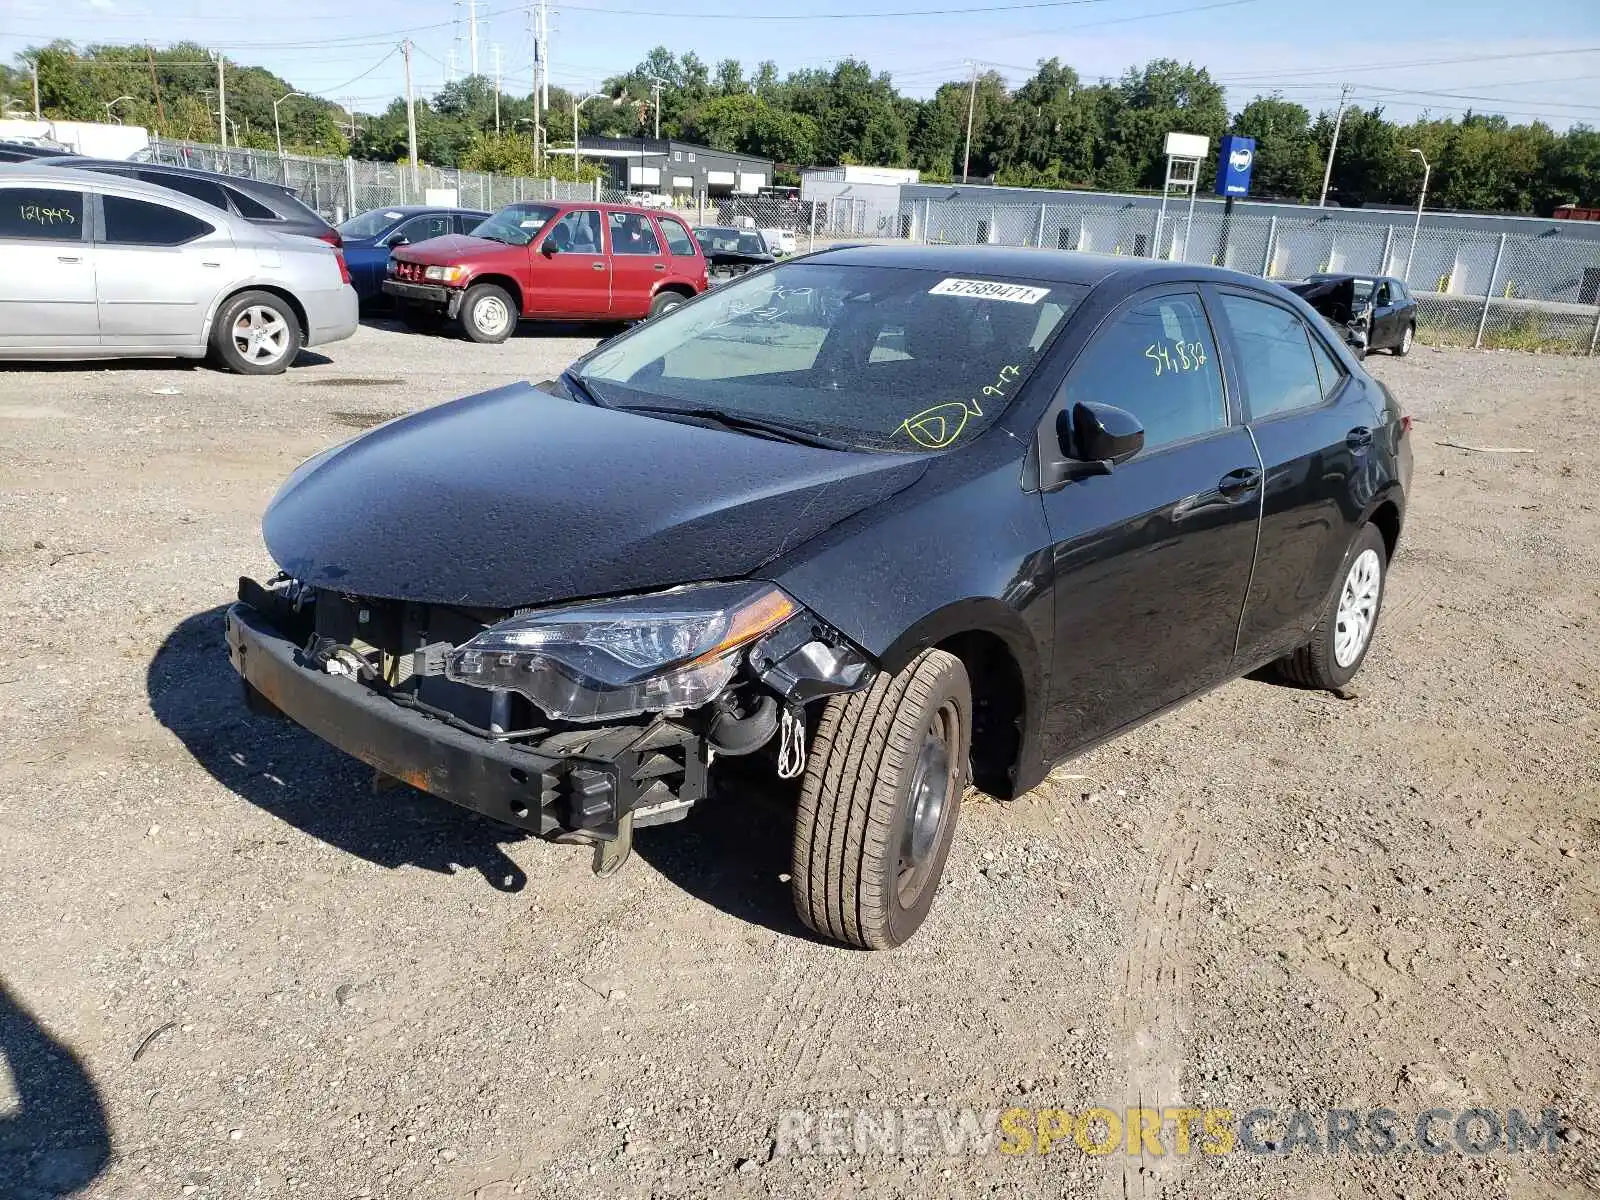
(1403, 348)
(256, 333)
(879, 801)
(665, 302)
(1339, 643)
(487, 313)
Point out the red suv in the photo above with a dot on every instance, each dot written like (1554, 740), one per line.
(548, 261)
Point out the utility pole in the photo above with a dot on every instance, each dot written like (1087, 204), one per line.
(33, 65)
(496, 49)
(411, 119)
(972, 103)
(472, 34)
(222, 101)
(655, 98)
(539, 32)
(155, 85)
(1338, 123)
(544, 57)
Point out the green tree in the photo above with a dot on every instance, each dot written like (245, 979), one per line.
(1286, 165)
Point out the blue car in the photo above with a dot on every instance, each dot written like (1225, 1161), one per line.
(369, 237)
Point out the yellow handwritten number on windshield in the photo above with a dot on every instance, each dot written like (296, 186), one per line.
(1183, 356)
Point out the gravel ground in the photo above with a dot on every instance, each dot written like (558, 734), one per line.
(232, 970)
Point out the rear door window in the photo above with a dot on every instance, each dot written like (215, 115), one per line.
(1273, 349)
(41, 214)
(632, 233)
(200, 189)
(1157, 361)
(249, 207)
(141, 223)
(678, 240)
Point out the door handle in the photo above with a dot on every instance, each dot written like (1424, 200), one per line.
(1358, 438)
(68, 258)
(1239, 483)
(600, 266)
(660, 266)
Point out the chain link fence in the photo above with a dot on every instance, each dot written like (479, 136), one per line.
(1506, 290)
(339, 188)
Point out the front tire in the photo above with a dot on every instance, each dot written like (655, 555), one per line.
(256, 333)
(879, 802)
(487, 313)
(1343, 635)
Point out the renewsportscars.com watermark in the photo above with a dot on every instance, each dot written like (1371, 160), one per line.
(1101, 1130)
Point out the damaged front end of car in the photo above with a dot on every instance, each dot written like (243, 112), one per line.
(578, 721)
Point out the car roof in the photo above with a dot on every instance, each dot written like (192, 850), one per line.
(1051, 266)
(257, 187)
(119, 185)
(416, 210)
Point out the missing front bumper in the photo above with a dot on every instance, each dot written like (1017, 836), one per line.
(645, 773)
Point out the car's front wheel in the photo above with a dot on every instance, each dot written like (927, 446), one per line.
(879, 801)
(1343, 635)
(488, 313)
(256, 333)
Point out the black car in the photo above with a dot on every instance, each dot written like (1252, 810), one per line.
(261, 203)
(887, 519)
(731, 251)
(28, 152)
(1370, 312)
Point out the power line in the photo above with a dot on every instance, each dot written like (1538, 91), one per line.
(1420, 62)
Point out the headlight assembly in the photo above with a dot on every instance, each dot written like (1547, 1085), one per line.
(443, 274)
(619, 658)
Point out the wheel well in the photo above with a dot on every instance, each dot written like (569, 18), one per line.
(286, 296)
(682, 289)
(503, 281)
(999, 705)
(1387, 518)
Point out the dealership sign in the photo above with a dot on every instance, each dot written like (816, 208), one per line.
(1237, 157)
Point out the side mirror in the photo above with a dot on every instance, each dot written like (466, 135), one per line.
(1099, 433)
(548, 248)
(399, 239)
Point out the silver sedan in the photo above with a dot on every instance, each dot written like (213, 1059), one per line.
(94, 266)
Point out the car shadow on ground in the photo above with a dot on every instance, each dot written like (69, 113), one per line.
(300, 779)
(306, 358)
(55, 1139)
(534, 330)
(730, 852)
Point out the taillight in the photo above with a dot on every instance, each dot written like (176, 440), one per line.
(1405, 424)
(331, 236)
(344, 267)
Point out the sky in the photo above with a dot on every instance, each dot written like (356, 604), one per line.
(1439, 56)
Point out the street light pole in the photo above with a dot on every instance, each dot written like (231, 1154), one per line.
(1421, 197)
(111, 104)
(972, 103)
(276, 132)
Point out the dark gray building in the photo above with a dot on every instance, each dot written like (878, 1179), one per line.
(674, 168)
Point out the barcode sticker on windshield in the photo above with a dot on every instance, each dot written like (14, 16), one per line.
(987, 289)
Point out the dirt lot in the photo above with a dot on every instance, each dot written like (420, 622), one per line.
(231, 970)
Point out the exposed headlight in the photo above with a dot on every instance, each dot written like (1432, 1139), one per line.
(618, 658)
(444, 274)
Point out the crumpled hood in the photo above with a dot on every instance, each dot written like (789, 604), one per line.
(454, 248)
(515, 497)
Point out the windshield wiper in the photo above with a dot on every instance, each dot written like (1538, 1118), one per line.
(580, 389)
(740, 423)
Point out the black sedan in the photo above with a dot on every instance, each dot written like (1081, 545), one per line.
(1370, 312)
(730, 252)
(884, 520)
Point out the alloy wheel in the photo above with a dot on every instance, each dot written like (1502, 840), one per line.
(261, 335)
(1358, 608)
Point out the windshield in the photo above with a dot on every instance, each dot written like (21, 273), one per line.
(369, 224)
(517, 225)
(876, 358)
